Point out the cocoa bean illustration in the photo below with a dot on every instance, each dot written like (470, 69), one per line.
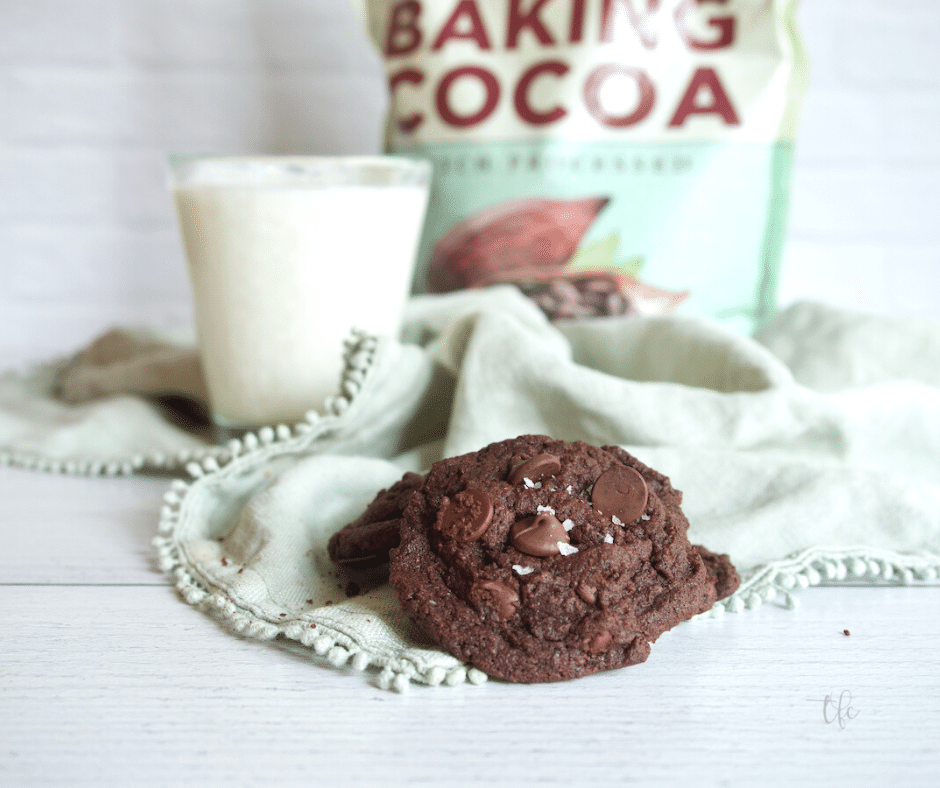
(598, 292)
(533, 232)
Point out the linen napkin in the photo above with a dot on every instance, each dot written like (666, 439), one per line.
(809, 453)
(133, 400)
(802, 470)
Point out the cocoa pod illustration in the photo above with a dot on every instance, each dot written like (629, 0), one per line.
(532, 232)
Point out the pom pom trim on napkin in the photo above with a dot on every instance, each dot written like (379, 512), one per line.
(779, 580)
(38, 382)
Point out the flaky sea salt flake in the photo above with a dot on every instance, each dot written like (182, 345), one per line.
(616, 520)
(608, 539)
(523, 570)
(568, 524)
(531, 484)
(566, 549)
(548, 509)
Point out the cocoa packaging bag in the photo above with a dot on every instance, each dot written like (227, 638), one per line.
(606, 156)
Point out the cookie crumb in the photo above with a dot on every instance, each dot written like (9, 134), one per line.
(846, 632)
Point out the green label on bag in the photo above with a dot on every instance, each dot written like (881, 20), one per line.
(648, 210)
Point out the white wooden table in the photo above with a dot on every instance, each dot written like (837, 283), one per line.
(108, 678)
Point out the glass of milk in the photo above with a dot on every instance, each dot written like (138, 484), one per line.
(287, 254)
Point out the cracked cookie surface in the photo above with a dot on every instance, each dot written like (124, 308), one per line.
(542, 560)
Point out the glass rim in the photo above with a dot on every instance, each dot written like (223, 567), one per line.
(295, 170)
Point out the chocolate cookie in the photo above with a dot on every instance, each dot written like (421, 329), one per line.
(540, 560)
(365, 542)
(720, 570)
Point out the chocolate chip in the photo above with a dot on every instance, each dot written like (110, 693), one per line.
(505, 599)
(620, 492)
(536, 468)
(539, 535)
(466, 516)
(599, 643)
(587, 592)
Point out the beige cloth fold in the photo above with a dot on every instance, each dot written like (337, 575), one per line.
(132, 361)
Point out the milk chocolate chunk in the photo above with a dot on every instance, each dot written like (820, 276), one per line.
(620, 492)
(587, 592)
(505, 599)
(539, 535)
(599, 643)
(466, 517)
(535, 469)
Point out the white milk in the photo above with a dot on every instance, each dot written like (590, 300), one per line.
(286, 256)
